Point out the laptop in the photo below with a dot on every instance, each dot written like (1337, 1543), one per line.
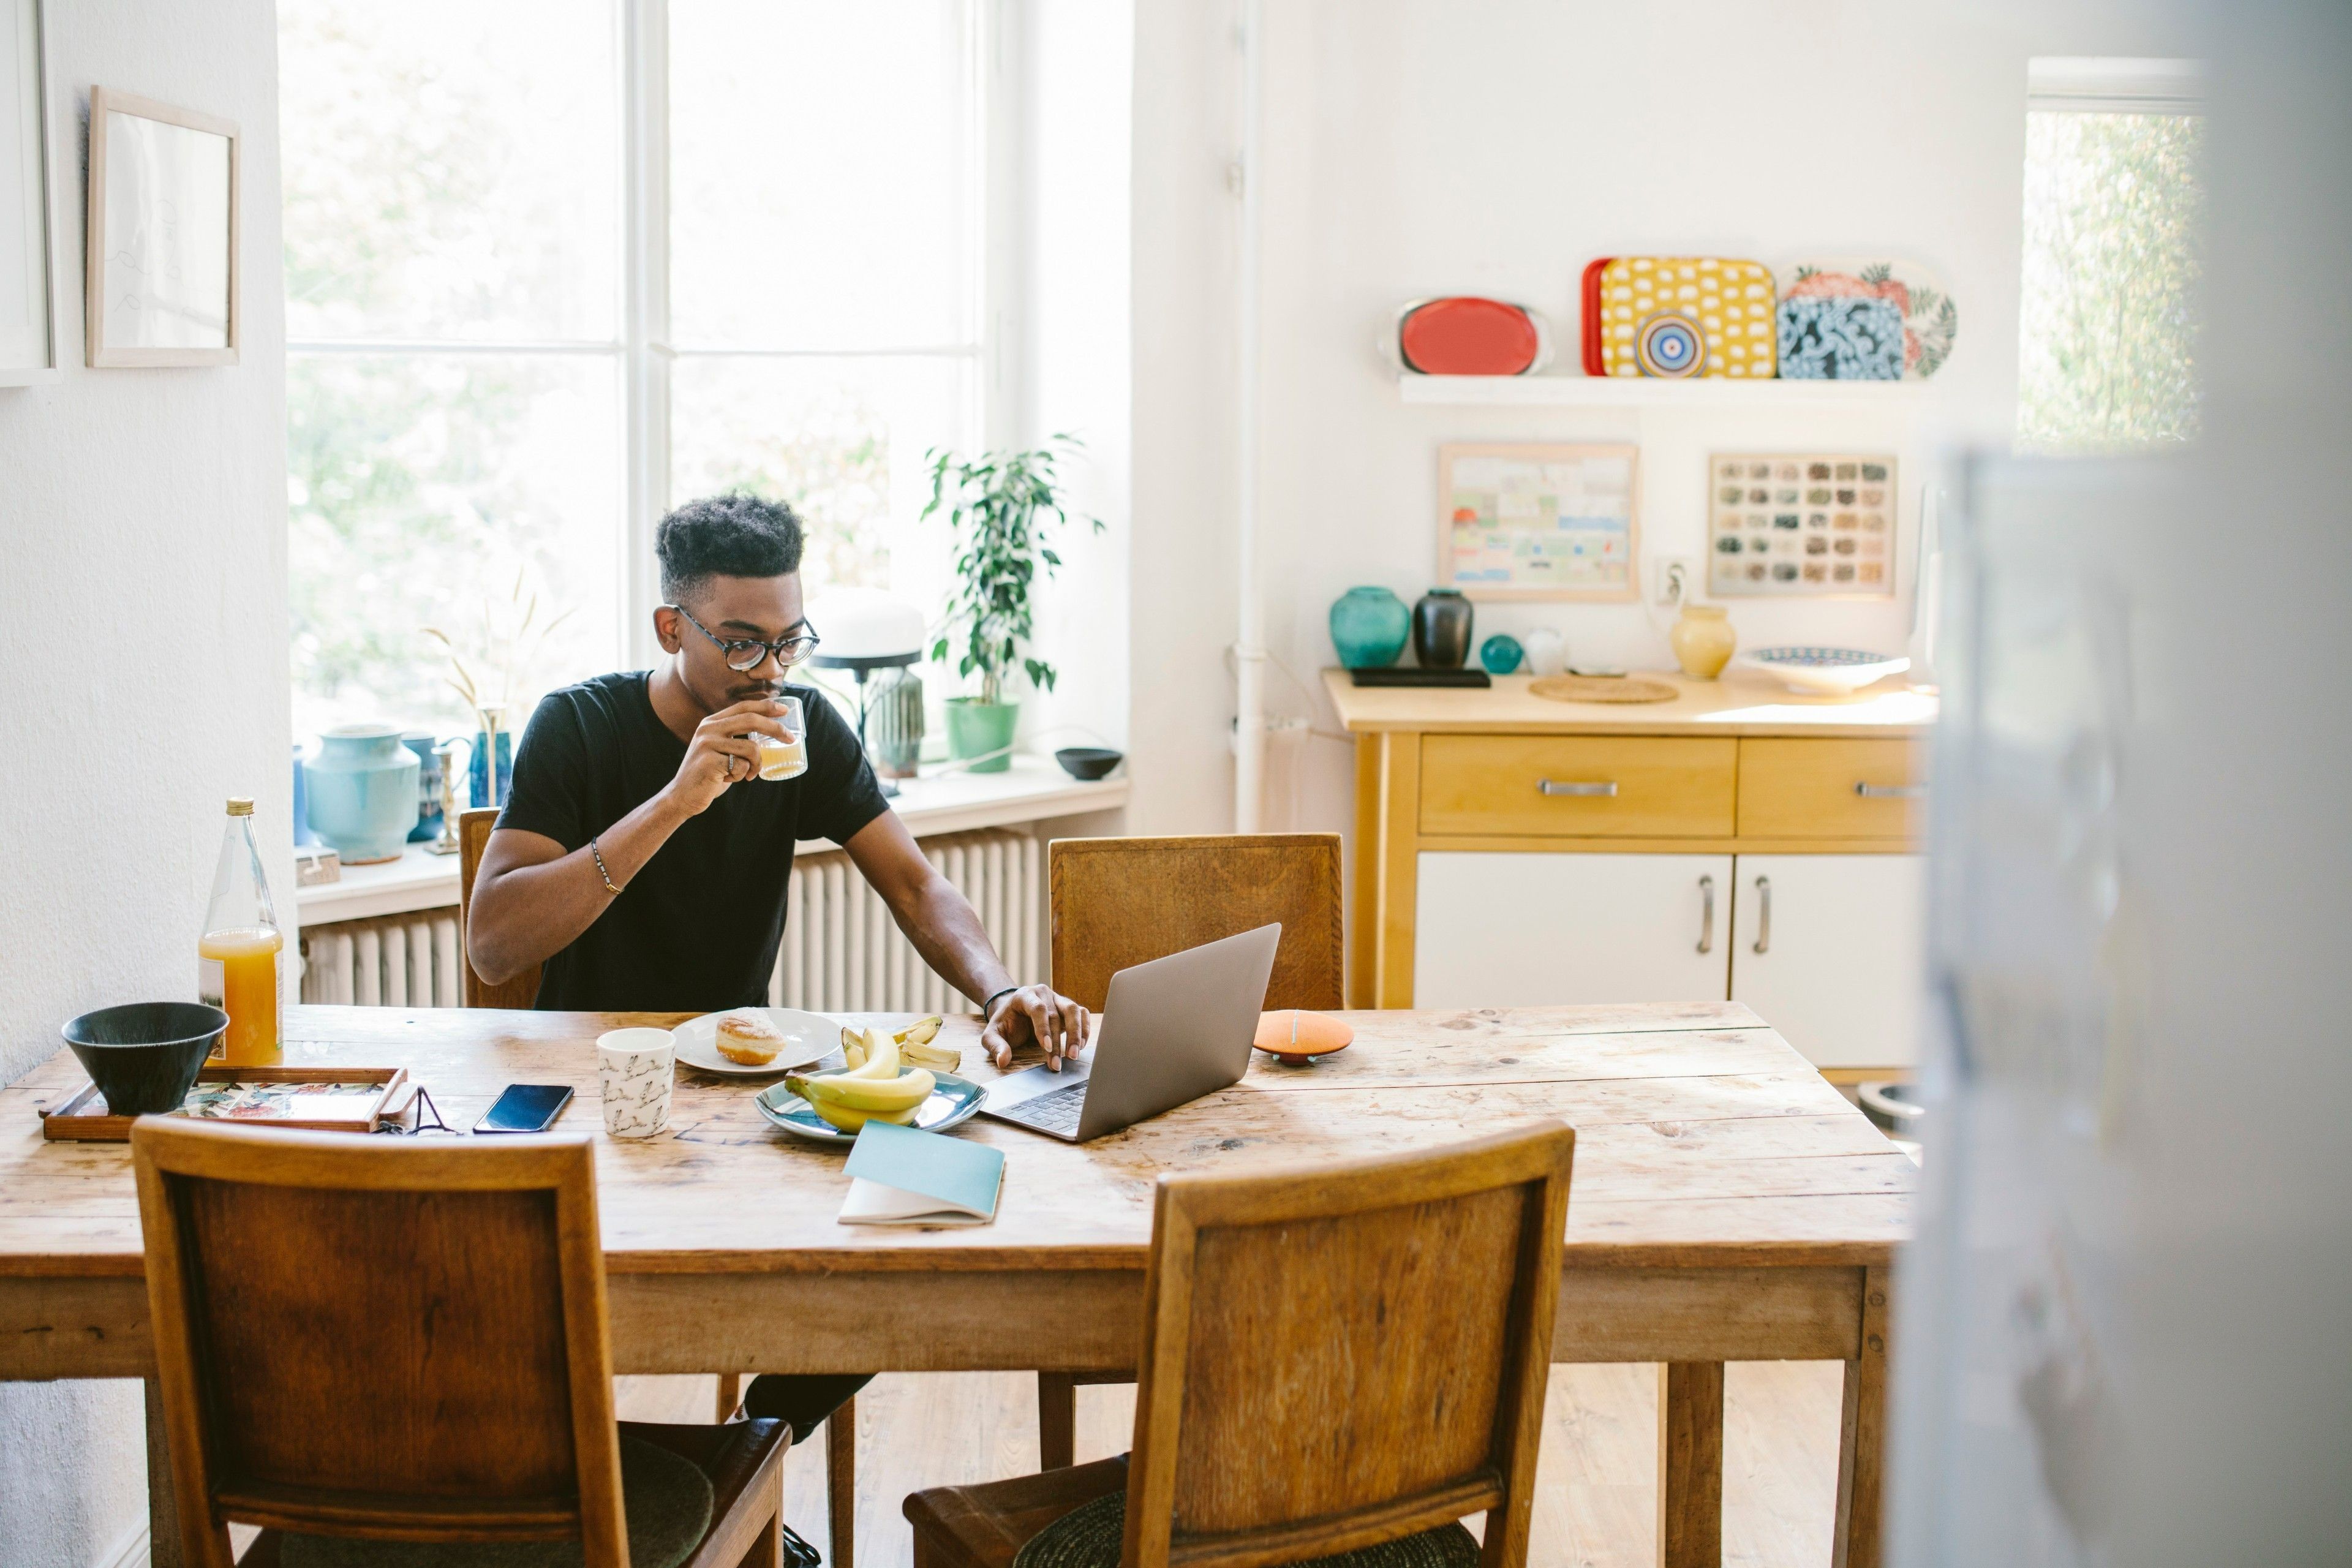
(1172, 1030)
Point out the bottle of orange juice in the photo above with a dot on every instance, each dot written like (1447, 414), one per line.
(237, 958)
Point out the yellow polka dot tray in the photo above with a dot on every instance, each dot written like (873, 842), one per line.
(1679, 316)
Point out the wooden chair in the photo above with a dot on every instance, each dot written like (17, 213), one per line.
(473, 833)
(1123, 901)
(1332, 1358)
(401, 1341)
(841, 1428)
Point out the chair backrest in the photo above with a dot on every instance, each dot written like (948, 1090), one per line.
(380, 1338)
(1123, 901)
(1341, 1355)
(473, 836)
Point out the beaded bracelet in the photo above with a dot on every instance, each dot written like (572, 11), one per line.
(598, 855)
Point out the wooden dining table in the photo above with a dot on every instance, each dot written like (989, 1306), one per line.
(1727, 1205)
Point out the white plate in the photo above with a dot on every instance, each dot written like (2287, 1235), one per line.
(807, 1036)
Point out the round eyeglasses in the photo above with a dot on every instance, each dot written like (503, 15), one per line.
(743, 654)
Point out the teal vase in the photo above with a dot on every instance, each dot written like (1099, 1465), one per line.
(362, 792)
(1369, 628)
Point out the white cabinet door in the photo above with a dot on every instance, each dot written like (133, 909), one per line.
(1827, 949)
(1516, 930)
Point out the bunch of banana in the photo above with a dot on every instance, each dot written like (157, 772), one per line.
(874, 1087)
(914, 1042)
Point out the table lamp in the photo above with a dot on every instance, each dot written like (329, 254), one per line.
(878, 639)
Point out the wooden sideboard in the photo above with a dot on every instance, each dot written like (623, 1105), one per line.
(1739, 843)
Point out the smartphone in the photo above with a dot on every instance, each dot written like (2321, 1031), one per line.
(525, 1107)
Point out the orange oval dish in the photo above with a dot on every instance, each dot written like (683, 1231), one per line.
(1296, 1038)
(1469, 336)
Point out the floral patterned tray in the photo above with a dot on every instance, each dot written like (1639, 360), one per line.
(323, 1100)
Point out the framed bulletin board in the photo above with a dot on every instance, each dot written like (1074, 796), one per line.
(29, 272)
(1554, 521)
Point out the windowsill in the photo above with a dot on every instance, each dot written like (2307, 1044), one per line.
(1033, 789)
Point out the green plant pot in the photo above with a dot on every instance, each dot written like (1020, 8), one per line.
(977, 728)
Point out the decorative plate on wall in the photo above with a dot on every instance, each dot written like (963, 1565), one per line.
(1930, 321)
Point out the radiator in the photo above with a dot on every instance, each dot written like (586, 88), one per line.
(393, 961)
(841, 952)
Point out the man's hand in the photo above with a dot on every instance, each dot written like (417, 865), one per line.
(1035, 1015)
(722, 753)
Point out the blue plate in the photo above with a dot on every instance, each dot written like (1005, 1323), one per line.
(953, 1101)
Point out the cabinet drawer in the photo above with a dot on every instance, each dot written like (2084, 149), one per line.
(1610, 786)
(1831, 789)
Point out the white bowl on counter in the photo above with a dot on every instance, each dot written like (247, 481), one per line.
(1825, 672)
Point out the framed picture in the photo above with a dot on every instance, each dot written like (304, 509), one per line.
(1556, 521)
(162, 234)
(1801, 525)
(29, 275)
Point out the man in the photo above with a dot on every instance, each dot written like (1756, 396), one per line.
(643, 860)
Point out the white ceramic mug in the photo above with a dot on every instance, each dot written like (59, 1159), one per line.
(636, 1069)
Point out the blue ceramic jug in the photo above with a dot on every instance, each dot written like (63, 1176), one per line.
(363, 792)
(1368, 628)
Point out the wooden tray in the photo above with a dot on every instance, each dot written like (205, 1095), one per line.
(84, 1116)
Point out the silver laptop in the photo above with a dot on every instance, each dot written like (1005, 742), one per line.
(1172, 1030)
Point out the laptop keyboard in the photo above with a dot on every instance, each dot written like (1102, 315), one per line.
(1055, 1112)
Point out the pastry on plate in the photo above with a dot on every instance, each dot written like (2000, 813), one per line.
(748, 1039)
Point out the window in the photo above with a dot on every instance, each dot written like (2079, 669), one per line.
(2114, 197)
(484, 366)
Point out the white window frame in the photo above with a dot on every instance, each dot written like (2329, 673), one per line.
(644, 352)
(2070, 84)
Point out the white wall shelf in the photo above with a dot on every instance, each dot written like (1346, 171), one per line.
(1649, 391)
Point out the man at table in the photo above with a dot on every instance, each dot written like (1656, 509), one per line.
(641, 859)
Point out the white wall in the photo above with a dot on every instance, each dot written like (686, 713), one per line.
(142, 670)
(1416, 147)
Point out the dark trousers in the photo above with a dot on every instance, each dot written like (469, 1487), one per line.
(803, 1399)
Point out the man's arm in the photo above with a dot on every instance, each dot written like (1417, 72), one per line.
(531, 900)
(947, 931)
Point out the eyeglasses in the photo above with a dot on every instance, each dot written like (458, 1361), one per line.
(423, 1108)
(749, 653)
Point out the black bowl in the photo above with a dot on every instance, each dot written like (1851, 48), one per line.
(144, 1055)
(1088, 763)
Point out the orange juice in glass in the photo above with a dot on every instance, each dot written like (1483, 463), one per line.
(237, 957)
(787, 758)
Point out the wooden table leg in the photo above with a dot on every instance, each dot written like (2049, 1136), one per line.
(1057, 1420)
(841, 1482)
(1690, 1464)
(1862, 1436)
(162, 1512)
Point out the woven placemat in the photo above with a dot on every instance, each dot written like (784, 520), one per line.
(1600, 688)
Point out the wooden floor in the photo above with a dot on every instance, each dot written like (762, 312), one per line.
(1595, 1506)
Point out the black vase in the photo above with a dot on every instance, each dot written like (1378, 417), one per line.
(1441, 629)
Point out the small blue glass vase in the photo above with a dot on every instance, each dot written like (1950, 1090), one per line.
(1369, 628)
(1501, 653)
(478, 770)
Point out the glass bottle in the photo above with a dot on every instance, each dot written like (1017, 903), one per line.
(237, 957)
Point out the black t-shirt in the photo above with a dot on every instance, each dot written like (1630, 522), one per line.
(697, 929)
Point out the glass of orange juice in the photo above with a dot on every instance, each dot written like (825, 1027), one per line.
(787, 758)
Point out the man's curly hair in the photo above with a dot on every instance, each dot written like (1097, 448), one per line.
(731, 535)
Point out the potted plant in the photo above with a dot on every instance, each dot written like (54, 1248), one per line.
(1000, 506)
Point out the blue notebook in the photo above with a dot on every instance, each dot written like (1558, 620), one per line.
(900, 1176)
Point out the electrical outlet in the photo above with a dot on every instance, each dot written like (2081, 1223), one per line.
(1674, 580)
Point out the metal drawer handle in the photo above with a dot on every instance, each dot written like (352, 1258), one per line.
(1558, 786)
(1763, 914)
(1890, 792)
(1707, 914)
